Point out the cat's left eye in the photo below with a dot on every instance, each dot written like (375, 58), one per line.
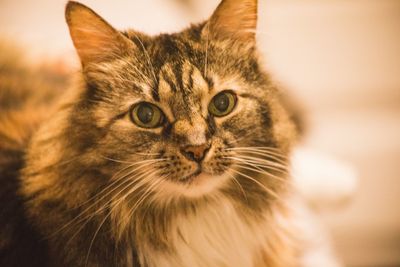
(146, 115)
(222, 104)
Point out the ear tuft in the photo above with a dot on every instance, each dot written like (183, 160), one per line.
(234, 19)
(94, 39)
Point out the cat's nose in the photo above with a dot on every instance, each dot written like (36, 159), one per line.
(195, 153)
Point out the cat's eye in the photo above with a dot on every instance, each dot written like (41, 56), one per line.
(222, 104)
(146, 115)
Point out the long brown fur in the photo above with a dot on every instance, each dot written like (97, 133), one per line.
(85, 186)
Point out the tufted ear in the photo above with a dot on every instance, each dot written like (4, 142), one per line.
(94, 39)
(234, 19)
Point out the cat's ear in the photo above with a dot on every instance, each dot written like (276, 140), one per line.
(94, 39)
(233, 19)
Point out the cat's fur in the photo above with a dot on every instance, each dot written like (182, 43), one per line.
(93, 189)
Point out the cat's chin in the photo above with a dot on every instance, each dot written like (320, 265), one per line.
(197, 185)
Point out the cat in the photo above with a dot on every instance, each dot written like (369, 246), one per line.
(169, 150)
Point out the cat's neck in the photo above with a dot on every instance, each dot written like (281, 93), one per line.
(220, 231)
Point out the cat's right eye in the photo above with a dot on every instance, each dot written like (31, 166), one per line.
(146, 115)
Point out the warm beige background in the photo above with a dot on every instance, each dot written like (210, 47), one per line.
(340, 57)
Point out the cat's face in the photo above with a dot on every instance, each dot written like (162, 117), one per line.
(183, 114)
(188, 123)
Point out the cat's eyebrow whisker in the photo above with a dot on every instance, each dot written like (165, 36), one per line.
(132, 66)
(206, 53)
(147, 57)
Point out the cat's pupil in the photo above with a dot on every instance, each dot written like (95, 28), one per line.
(145, 113)
(221, 102)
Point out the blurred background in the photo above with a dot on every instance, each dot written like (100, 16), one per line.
(340, 58)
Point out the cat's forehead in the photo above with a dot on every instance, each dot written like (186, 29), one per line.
(182, 87)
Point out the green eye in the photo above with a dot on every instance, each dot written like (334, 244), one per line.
(146, 115)
(222, 104)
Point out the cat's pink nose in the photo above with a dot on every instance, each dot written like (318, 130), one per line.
(195, 153)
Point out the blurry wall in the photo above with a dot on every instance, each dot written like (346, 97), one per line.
(340, 58)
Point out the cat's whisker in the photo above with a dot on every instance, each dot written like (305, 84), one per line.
(98, 211)
(142, 182)
(147, 179)
(235, 180)
(123, 161)
(132, 180)
(105, 195)
(263, 168)
(263, 155)
(92, 241)
(262, 171)
(88, 217)
(115, 178)
(145, 195)
(277, 150)
(267, 163)
(267, 190)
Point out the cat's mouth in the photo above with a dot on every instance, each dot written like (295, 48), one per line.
(191, 177)
(197, 184)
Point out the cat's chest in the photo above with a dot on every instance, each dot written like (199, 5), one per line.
(217, 236)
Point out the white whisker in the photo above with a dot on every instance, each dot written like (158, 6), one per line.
(265, 163)
(267, 190)
(261, 171)
(105, 195)
(235, 180)
(148, 58)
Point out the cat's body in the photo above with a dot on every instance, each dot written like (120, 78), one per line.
(169, 151)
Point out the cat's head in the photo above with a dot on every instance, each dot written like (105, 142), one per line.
(182, 114)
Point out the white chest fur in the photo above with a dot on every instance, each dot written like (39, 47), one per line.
(215, 236)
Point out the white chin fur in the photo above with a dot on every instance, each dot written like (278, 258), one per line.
(201, 185)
